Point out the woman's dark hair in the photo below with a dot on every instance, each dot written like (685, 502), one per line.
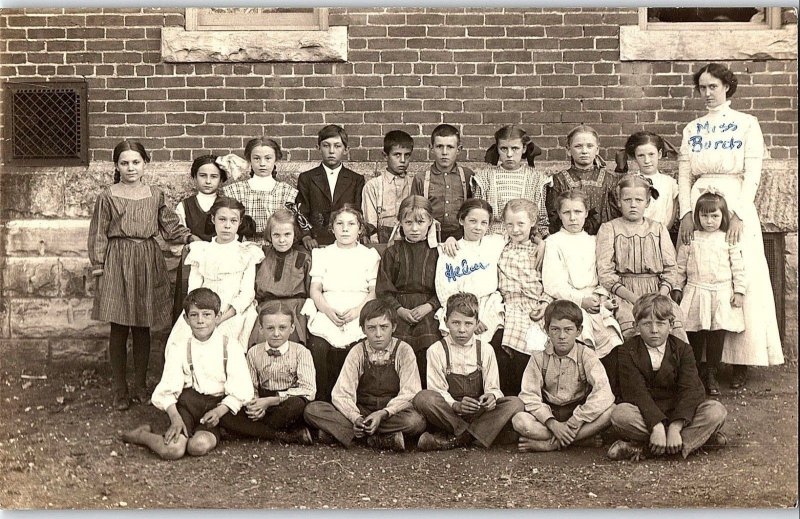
(124, 146)
(474, 203)
(201, 161)
(641, 138)
(720, 72)
(263, 141)
(530, 149)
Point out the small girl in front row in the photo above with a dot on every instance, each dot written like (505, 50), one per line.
(207, 177)
(507, 178)
(343, 276)
(524, 298)
(646, 148)
(472, 268)
(407, 274)
(132, 291)
(228, 267)
(284, 274)
(569, 272)
(587, 172)
(715, 285)
(635, 255)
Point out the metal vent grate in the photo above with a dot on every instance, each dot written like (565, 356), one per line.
(774, 252)
(46, 124)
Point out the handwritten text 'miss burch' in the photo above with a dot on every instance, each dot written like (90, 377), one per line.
(464, 269)
(698, 143)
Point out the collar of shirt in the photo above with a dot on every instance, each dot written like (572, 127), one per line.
(436, 171)
(211, 338)
(205, 200)
(453, 344)
(334, 172)
(262, 183)
(283, 348)
(390, 177)
(573, 353)
(374, 354)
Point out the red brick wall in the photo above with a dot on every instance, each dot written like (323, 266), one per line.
(407, 69)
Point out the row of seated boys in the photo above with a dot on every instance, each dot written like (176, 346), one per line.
(377, 400)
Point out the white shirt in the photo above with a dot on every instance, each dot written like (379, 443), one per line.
(333, 176)
(662, 209)
(657, 355)
(261, 183)
(463, 361)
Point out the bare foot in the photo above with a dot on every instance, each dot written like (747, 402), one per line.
(135, 435)
(530, 445)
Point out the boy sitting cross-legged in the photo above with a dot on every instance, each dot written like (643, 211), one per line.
(664, 401)
(372, 396)
(204, 382)
(565, 389)
(463, 398)
(284, 381)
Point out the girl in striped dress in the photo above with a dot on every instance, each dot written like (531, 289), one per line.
(262, 193)
(524, 298)
(228, 267)
(133, 291)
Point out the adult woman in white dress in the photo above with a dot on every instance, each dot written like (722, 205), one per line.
(725, 149)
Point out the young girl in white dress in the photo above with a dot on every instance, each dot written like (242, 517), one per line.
(343, 277)
(715, 284)
(228, 267)
(471, 266)
(569, 272)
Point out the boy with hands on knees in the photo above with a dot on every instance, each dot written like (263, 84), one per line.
(664, 402)
(463, 399)
(203, 384)
(372, 396)
(565, 389)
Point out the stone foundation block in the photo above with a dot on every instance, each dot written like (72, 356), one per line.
(47, 237)
(78, 350)
(75, 278)
(39, 193)
(57, 317)
(30, 355)
(31, 277)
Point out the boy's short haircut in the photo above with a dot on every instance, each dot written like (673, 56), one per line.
(377, 308)
(657, 305)
(332, 130)
(397, 138)
(463, 303)
(203, 299)
(276, 308)
(445, 130)
(563, 309)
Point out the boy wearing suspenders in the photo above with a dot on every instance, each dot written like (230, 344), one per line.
(565, 389)
(463, 402)
(445, 183)
(204, 382)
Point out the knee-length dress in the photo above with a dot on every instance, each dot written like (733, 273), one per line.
(498, 186)
(713, 271)
(229, 269)
(641, 258)
(569, 271)
(725, 149)
(473, 270)
(134, 289)
(260, 197)
(521, 286)
(346, 275)
(284, 277)
(406, 279)
(597, 183)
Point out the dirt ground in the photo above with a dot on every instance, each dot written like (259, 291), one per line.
(59, 448)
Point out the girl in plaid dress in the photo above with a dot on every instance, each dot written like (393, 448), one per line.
(523, 296)
(406, 277)
(262, 193)
(133, 291)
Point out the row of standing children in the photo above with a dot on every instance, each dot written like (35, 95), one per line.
(512, 145)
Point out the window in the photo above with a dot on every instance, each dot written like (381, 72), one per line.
(257, 19)
(46, 123)
(700, 34)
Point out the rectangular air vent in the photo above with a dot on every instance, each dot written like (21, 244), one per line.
(774, 248)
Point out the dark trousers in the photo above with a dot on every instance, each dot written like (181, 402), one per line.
(328, 362)
(422, 365)
(322, 415)
(484, 426)
(118, 354)
(712, 341)
(192, 405)
(282, 417)
(611, 365)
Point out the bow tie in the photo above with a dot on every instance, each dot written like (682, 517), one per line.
(273, 352)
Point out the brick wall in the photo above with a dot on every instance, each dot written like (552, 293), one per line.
(407, 69)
